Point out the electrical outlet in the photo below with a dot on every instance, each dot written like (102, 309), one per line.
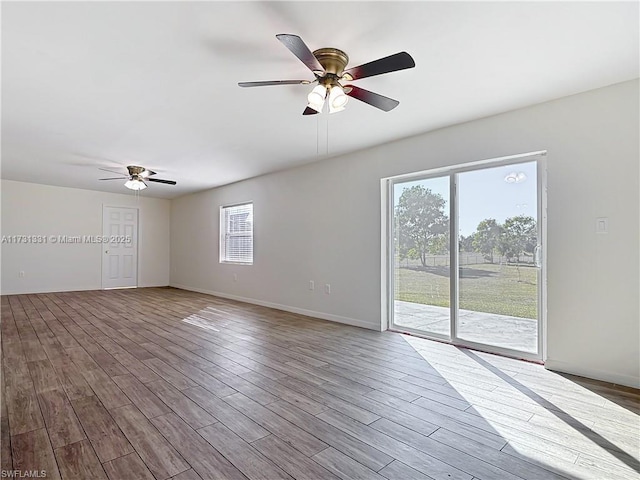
(235, 277)
(21, 274)
(312, 285)
(327, 288)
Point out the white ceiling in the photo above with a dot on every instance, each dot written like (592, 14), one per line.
(88, 84)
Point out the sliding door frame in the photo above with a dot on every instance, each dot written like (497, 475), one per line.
(388, 230)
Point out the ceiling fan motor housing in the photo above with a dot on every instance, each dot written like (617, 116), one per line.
(135, 170)
(332, 60)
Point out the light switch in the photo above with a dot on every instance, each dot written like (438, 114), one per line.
(602, 225)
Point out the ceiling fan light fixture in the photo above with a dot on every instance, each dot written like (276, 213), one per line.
(135, 184)
(337, 99)
(316, 107)
(515, 177)
(316, 97)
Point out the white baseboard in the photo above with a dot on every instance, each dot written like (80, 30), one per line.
(301, 311)
(29, 291)
(83, 288)
(560, 366)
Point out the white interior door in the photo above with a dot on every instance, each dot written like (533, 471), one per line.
(120, 251)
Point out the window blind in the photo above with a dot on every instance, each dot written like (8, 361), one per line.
(236, 224)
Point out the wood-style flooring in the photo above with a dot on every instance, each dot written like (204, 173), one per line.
(163, 383)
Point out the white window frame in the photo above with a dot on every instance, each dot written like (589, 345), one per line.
(225, 234)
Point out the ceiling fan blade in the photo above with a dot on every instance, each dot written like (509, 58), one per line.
(374, 99)
(273, 82)
(309, 111)
(295, 44)
(159, 180)
(110, 171)
(113, 178)
(147, 173)
(392, 63)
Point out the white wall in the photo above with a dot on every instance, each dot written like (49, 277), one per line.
(31, 209)
(321, 222)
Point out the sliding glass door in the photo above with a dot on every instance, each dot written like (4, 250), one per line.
(497, 247)
(466, 256)
(422, 287)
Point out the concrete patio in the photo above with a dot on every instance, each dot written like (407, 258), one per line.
(489, 328)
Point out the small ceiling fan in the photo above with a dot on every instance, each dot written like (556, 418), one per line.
(328, 66)
(136, 178)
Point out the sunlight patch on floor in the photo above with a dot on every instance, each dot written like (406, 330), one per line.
(546, 418)
(200, 322)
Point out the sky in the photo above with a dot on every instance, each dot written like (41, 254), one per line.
(485, 194)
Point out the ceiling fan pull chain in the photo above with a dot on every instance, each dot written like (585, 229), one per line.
(327, 135)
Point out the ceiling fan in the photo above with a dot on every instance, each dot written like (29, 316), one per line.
(328, 66)
(136, 178)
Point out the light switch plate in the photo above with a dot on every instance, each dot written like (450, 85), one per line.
(602, 225)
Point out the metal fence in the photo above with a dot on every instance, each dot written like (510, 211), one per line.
(464, 258)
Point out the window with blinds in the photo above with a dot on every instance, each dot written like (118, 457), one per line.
(236, 233)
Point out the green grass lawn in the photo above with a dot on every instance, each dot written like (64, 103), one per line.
(483, 288)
